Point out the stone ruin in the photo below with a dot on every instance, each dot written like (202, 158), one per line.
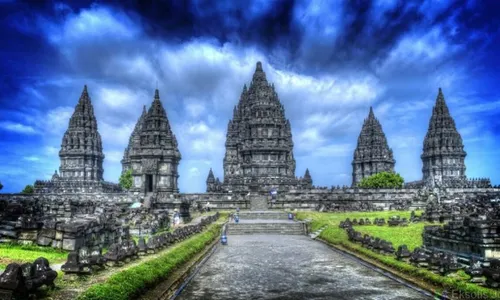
(471, 230)
(437, 261)
(345, 206)
(21, 281)
(84, 261)
(68, 224)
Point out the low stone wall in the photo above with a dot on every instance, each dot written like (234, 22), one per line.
(465, 237)
(66, 221)
(24, 217)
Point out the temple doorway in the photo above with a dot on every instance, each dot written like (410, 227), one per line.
(149, 183)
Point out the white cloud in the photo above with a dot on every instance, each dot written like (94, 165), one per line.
(17, 127)
(56, 120)
(93, 23)
(334, 150)
(194, 172)
(195, 109)
(31, 158)
(113, 156)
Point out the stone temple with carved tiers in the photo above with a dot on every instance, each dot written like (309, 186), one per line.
(372, 154)
(259, 146)
(443, 157)
(259, 151)
(152, 153)
(81, 155)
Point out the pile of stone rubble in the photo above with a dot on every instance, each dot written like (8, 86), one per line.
(440, 262)
(21, 281)
(84, 260)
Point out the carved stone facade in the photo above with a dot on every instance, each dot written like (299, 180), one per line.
(213, 184)
(259, 146)
(443, 154)
(372, 154)
(81, 156)
(81, 150)
(153, 154)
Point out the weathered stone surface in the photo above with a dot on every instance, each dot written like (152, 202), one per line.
(444, 155)
(81, 155)
(259, 146)
(152, 153)
(372, 154)
(72, 244)
(288, 267)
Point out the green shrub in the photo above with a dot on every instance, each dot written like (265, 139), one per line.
(28, 189)
(130, 283)
(382, 180)
(126, 180)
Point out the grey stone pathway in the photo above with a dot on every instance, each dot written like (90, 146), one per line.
(288, 267)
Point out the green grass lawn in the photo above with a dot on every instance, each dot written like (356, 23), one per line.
(410, 236)
(10, 253)
(398, 235)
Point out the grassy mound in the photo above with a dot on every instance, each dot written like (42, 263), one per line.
(15, 253)
(455, 284)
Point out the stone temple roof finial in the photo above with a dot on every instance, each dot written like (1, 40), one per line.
(157, 94)
(259, 66)
(85, 93)
(371, 115)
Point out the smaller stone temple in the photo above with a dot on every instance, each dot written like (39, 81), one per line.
(372, 154)
(81, 155)
(443, 152)
(152, 153)
(81, 150)
(213, 184)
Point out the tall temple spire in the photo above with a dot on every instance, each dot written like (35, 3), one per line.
(259, 141)
(133, 138)
(372, 154)
(443, 152)
(153, 153)
(81, 150)
(211, 177)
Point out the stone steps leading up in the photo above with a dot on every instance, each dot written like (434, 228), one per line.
(288, 228)
(263, 215)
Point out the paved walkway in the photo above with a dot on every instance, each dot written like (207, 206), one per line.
(288, 267)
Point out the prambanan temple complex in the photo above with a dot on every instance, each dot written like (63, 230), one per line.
(259, 170)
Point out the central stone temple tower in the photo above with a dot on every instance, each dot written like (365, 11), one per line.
(443, 156)
(259, 146)
(372, 154)
(152, 153)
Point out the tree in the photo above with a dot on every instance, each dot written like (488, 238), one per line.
(1, 185)
(28, 189)
(382, 180)
(126, 180)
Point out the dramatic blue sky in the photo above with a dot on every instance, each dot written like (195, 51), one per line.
(330, 61)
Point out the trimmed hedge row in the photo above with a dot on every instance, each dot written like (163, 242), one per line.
(456, 285)
(131, 282)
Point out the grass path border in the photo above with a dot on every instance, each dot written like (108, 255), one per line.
(167, 288)
(75, 290)
(418, 282)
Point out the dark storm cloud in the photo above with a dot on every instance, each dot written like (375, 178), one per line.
(330, 61)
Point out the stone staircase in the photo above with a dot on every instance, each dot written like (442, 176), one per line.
(265, 222)
(263, 215)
